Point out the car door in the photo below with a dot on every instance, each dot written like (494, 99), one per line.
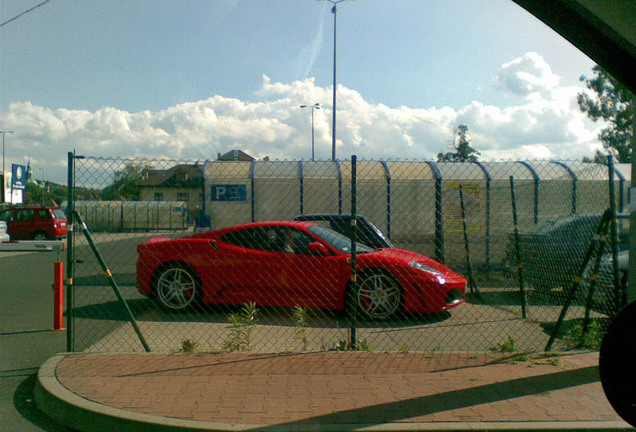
(22, 223)
(314, 280)
(265, 264)
(284, 273)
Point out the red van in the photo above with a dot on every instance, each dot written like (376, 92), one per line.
(35, 222)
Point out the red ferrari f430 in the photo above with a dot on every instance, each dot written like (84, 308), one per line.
(293, 263)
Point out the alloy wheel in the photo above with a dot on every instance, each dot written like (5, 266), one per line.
(379, 296)
(176, 288)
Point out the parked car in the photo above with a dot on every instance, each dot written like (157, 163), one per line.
(35, 222)
(4, 235)
(552, 255)
(368, 233)
(292, 263)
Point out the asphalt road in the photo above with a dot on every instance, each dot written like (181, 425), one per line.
(26, 337)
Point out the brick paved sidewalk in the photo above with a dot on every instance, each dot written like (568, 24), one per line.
(335, 390)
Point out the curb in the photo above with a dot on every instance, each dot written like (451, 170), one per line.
(68, 408)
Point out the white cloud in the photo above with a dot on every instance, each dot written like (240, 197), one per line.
(545, 124)
(527, 76)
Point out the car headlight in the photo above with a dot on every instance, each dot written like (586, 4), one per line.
(427, 269)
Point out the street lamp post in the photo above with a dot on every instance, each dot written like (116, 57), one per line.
(3, 170)
(313, 107)
(334, 11)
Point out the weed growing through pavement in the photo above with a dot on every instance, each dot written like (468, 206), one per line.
(189, 346)
(364, 345)
(576, 338)
(433, 351)
(505, 347)
(300, 317)
(242, 324)
(344, 345)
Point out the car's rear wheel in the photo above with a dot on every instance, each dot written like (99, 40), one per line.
(177, 287)
(379, 295)
(40, 235)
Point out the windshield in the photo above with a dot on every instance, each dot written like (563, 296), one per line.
(337, 240)
(59, 214)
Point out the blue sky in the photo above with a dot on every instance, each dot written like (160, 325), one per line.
(189, 79)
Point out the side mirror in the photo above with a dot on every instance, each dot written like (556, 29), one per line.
(317, 248)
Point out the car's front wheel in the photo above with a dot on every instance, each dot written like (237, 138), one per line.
(379, 295)
(177, 287)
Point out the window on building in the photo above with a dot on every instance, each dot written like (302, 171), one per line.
(183, 196)
(158, 196)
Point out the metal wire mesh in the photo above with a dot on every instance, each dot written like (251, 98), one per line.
(194, 282)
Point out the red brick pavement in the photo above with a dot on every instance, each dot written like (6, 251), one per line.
(342, 387)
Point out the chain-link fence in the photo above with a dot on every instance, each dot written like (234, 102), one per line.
(166, 231)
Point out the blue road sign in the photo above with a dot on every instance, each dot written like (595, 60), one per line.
(18, 177)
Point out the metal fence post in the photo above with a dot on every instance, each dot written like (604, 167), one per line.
(387, 172)
(439, 227)
(488, 205)
(621, 298)
(522, 288)
(339, 186)
(301, 176)
(597, 246)
(70, 257)
(537, 179)
(253, 191)
(574, 182)
(354, 234)
(471, 279)
(111, 280)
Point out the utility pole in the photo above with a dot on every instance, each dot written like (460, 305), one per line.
(334, 11)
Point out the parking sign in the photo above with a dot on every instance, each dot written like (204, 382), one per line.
(229, 192)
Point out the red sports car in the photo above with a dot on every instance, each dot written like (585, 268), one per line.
(292, 264)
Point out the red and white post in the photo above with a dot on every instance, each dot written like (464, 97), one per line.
(58, 296)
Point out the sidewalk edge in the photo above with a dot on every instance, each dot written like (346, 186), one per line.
(70, 409)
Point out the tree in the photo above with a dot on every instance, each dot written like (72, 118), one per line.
(611, 102)
(126, 184)
(463, 151)
(45, 193)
